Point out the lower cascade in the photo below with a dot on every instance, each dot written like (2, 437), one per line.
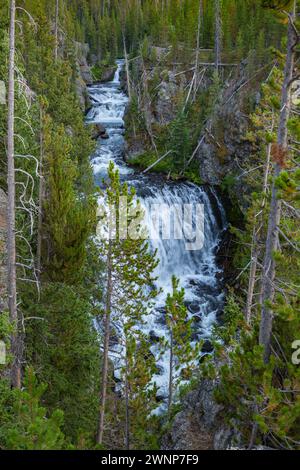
(195, 264)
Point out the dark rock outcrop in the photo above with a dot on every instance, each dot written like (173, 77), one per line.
(108, 74)
(84, 76)
(98, 130)
(200, 426)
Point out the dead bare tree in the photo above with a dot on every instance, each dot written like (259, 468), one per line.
(56, 29)
(126, 66)
(41, 196)
(11, 209)
(269, 266)
(196, 73)
(218, 35)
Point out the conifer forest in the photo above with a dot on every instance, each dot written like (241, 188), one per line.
(149, 225)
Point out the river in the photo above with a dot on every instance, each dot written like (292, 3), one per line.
(197, 269)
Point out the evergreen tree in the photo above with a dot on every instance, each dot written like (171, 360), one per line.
(181, 351)
(129, 270)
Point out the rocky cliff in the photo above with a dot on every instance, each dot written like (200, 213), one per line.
(84, 76)
(200, 426)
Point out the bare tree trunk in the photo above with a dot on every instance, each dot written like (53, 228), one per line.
(147, 108)
(200, 13)
(126, 66)
(218, 35)
(105, 346)
(41, 196)
(256, 239)
(269, 267)
(56, 29)
(11, 207)
(103, 8)
(170, 398)
(127, 419)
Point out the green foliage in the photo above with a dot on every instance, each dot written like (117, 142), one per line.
(179, 343)
(277, 4)
(70, 362)
(68, 220)
(27, 425)
(131, 283)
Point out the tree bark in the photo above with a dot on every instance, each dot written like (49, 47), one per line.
(105, 346)
(269, 267)
(218, 35)
(127, 67)
(170, 398)
(200, 13)
(127, 419)
(56, 29)
(41, 196)
(256, 239)
(11, 207)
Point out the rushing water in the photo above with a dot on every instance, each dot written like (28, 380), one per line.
(197, 269)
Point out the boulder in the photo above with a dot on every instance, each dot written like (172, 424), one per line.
(98, 130)
(207, 346)
(193, 307)
(200, 424)
(153, 337)
(108, 74)
(197, 319)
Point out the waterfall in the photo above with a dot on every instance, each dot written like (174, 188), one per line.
(197, 268)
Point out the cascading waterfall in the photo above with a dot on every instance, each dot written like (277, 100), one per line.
(197, 269)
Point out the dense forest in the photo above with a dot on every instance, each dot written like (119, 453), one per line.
(212, 96)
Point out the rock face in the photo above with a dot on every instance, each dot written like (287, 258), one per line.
(226, 147)
(199, 426)
(98, 130)
(108, 74)
(165, 106)
(84, 76)
(3, 227)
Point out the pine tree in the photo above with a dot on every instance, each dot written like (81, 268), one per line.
(280, 151)
(129, 270)
(181, 352)
(32, 429)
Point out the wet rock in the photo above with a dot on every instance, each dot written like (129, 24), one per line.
(104, 136)
(195, 336)
(207, 346)
(117, 380)
(220, 317)
(98, 130)
(159, 370)
(197, 319)
(153, 337)
(161, 316)
(161, 397)
(193, 307)
(108, 74)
